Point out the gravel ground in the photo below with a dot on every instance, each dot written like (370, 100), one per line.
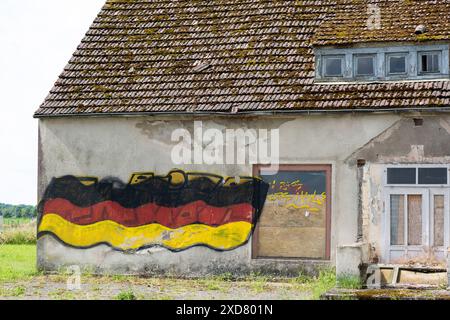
(54, 287)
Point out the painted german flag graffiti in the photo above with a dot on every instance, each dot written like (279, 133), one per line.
(167, 211)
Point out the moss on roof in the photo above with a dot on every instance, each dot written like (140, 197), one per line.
(140, 56)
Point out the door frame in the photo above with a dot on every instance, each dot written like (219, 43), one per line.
(300, 167)
(428, 194)
(428, 190)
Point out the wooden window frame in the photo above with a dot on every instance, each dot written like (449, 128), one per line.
(300, 167)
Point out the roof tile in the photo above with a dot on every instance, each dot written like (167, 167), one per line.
(139, 56)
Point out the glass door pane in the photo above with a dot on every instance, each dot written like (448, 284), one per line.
(397, 219)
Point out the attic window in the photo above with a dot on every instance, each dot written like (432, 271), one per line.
(411, 62)
(365, 65)
(396, 63)
(333, 66)
(429, 62)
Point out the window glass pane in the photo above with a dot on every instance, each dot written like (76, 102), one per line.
(432, 175)
(397, 219)
(430, 62)
(438, 214)
(365, 66)
(414, 219)
(425, 63)
(397, 64)
(333, 66)
(435, 63)
(401, 175)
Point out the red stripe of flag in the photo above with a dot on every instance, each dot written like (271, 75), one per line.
(195, 212)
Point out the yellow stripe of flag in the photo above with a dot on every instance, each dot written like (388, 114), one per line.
(224, 237)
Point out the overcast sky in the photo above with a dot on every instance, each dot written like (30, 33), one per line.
(38, 38)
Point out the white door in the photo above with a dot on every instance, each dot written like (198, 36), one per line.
(406, 227)
(416, 216)
(417, 224)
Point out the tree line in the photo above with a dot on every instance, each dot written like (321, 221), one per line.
(17, 211)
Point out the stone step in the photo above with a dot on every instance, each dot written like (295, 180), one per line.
(407, 276)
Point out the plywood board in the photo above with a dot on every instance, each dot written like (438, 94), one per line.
(292, 242)
(414, 219)
(295, 211)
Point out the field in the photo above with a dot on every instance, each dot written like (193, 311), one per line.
(17, 262)
(15, 222)
(18, 232)
(20, 280)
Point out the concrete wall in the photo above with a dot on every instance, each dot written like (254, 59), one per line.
(119, 146)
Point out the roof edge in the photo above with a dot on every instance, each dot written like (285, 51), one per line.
(251, 113)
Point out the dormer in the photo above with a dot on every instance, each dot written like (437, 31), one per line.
(382, 63)
(381, 41)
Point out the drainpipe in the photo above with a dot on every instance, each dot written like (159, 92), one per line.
(360, 172)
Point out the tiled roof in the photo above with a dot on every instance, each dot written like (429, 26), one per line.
(398, 21)
(219, 55)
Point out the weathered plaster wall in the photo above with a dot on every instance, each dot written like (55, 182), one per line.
(119, 146)
(403, 143)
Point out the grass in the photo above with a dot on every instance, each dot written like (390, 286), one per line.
(126, 295)
(317, 286)
(349, 282)
(325, 281)
(12, 292)
(213, 283)
(258, 282)
(24, 233)
(15, 222)
(17, 262)
(18, 291)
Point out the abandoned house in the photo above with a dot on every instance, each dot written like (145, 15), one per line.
(354, 96)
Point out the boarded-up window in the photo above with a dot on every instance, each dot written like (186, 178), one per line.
(438, 217)
(294, 220)
(414, 219)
